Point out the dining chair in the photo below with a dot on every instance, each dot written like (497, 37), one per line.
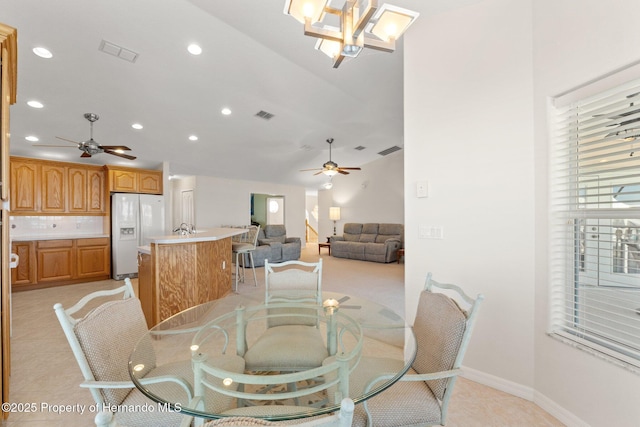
(243, 248)
(102, 340)
(421, 397)
(292, 340)
(342, 418)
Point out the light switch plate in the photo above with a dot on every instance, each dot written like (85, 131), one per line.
(422, 189)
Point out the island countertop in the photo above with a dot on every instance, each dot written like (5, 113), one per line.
(199, 236)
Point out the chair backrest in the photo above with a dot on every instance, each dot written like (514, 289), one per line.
(342, 418)
(443, 330)
(252, 235)
(293, 281)
(104, 337)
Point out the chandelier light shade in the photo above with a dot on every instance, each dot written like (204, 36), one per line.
(362, 24)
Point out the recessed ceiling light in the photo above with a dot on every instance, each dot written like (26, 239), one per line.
(193, 138)
(137, 126)
(194, 49)
(35, 104)
(42, 52)
(32, 138)
(226, 111)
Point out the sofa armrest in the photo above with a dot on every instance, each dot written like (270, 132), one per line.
(263, 242)
(393, 242)
(293, 240)
(337, 238)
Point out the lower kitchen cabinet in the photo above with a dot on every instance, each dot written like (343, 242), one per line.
(25, 273)
(44, 263)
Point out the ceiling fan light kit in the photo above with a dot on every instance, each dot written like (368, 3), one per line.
(362, 24)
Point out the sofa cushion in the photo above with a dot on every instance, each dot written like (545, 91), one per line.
(367, 238)
(370, 228)
(381, 238)
(352, 228)
(394, 229)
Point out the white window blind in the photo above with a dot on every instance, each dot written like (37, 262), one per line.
(595, 214)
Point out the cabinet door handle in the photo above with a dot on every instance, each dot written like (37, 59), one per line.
(139, 259)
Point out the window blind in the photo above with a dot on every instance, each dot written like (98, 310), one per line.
(595, 222)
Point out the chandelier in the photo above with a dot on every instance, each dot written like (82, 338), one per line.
(362, 24)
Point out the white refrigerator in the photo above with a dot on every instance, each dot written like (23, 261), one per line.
(134, 218)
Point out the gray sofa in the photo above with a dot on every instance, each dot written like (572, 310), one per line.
(369, 242)
(274, 245)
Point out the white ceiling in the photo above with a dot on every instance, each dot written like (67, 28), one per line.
(254, 58)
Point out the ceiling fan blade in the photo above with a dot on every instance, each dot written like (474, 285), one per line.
(351, 169)
(318, 173)
(126, 156)
(85, 154)
(314, 169)
(45, 145)
(68, 140)
(115, 147)
(343, 172)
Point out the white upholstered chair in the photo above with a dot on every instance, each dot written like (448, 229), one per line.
(290, 343)
(342, 418)
(443, 330)
(102, 341)
(242, 248)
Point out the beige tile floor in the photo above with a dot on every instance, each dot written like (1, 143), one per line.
(45, 374)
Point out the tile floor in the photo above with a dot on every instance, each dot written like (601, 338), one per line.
(44, 372)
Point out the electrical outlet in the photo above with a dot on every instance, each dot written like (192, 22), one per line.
(430, 232)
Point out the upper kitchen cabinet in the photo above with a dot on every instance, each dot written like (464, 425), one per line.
(25, 188)
(86, 189)
(56, 188)
(132, 180)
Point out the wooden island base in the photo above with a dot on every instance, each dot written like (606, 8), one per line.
(179, 273)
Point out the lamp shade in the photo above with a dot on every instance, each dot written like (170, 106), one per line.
(334, 213)
(391, 22)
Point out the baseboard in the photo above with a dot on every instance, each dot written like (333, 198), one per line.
(528, 393)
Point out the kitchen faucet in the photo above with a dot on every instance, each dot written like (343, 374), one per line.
(185, 229)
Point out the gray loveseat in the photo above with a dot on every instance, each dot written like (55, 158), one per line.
(274, 245)
(369, 242)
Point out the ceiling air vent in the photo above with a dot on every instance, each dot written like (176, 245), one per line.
(390, 150)
(360, 148)
(118, 51)
(264, 115)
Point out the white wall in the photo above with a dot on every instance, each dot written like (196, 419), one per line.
(574, 45)
(374, 194)
(476, 129)
(220, 201)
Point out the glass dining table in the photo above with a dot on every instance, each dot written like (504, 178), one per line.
(354, 329)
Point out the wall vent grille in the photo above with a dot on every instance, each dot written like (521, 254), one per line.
(117, 51)
(360, 148)
(390, 150)
(264, 115)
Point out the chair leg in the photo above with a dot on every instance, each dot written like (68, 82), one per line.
(237, 270)
(253, 267)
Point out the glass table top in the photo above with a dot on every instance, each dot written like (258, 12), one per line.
(219, 332)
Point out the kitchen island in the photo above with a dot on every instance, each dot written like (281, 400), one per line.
(177, 272)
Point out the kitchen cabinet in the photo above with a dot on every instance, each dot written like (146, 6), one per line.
(53, 188)
(132, 180)
(56, 188)
(86, 190)
(55, 260)
(25, 272)
(96, 191)
(25, 188)
(92, 258)
(45, 263)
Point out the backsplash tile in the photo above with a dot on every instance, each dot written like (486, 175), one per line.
(56, 226)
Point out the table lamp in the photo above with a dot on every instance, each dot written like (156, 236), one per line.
(334, 215)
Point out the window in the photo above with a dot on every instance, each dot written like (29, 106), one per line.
(595, 217)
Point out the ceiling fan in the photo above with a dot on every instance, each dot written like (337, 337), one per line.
(331, 168)
(91, 147)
